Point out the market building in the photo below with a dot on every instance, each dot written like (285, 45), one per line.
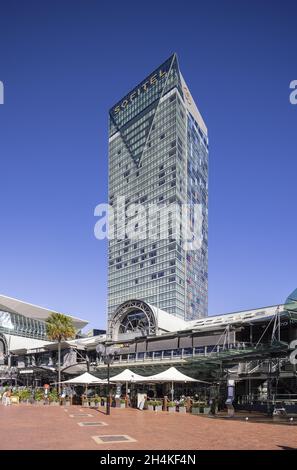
(252, 347)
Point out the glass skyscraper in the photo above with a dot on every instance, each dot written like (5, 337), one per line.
(158, 157)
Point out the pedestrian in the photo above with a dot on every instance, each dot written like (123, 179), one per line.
(4, 398)
(8, 395)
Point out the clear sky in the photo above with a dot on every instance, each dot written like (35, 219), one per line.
(65, 62)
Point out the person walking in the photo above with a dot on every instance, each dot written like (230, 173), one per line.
(4, 398)
(8, 401)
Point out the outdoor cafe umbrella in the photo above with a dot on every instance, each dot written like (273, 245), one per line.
(127, 376)
(170, 375)
(85, 379)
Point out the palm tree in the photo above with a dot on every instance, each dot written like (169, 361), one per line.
(59, 328)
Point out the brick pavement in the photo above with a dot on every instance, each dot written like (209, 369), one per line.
(45, 427)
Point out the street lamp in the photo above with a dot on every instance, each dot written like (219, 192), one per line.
(106, 353)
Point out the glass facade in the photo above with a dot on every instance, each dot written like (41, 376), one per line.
(19, 325)
(158, 154)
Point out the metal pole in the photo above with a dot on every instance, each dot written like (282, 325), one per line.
(108, 390)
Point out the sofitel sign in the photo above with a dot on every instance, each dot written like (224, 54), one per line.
(149, 82)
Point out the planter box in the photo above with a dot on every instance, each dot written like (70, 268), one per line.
(150, 407)
(122, 405)
(67, 403)
(171, 409)
(54, 403)
(158, 408)
(195, 410)
(182, 409)
(86, 404)
(92, 404)
(206, 410)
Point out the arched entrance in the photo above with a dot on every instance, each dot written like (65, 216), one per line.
(133, 318)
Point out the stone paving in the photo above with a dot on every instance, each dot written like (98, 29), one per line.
(46, 427)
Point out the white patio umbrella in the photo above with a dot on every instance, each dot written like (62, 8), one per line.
(84, 379)
(170, 375)
(127, 376)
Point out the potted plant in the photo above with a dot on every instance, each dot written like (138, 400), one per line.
(92, 402)
(195, 407)
(85, 401)
(122, 403)
(97, 401)
(53, 398)
(158, 405)
(24, 395)
(182, 406)
(38, 396)
(150, 405)
(201, 406)
(67, 401)
(171, 407)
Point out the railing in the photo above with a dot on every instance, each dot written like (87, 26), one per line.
(178, 354)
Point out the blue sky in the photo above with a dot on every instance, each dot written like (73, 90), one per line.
(64, 63)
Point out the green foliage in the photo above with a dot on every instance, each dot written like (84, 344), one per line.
(158, 403)
(171, 404)
(122, 400)
(38, 395)
(24, 394)
(97, 399)
(53, 395)
(59, 327)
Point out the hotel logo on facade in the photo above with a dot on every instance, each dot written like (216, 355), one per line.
(142, 88)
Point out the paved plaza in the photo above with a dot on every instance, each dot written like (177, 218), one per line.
(44, 427)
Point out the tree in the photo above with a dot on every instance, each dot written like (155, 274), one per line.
(59, 328)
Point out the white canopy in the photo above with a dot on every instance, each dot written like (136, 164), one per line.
(127, 376)
(169, 375)
(85, 379)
